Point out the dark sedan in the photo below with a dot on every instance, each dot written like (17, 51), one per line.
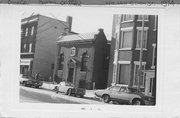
(33, 83)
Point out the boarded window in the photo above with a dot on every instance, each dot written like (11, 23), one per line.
(84, 62)
(126, 41)
(124, 75)
(139, 35)
(137, 74)
(128, 17)
(61, 59)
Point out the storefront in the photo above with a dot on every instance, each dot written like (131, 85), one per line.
(150, 83)
(26, 66)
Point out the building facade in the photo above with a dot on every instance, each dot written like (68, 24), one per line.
(82, 60)
(38, 44)
(125, 51)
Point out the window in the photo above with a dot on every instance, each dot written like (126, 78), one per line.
(114, 88)
(137, 74)
(21, 31)
(30, 47)
(154, 56)
(73, 51)
(140, 17)
(24, 46)
(127, 18)
(139, 35)
(124, 74)
(123, 89)
(155, 22)
(84, 62)
(62, 84)
(61, 59)
(126, 39)
(151, 85)
(26, 32)
(32, 30)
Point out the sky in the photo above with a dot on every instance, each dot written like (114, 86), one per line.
(85, 20)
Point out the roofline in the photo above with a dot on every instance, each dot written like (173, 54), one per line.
(76, 42)
(73, 33)
(29, 17)
(38, 15)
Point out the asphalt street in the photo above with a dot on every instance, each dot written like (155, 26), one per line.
(34, 95)
(37, 96)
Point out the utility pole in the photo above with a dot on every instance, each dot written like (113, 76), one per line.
(141, 56)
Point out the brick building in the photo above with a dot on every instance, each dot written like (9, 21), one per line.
(38, 43)
(125, 52)
(82, 60)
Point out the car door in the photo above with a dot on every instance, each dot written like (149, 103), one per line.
(66, 87)
(122, 96)
(113, 91)
(61, 86)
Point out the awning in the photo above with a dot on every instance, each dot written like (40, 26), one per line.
(25, 62)
(149, 73)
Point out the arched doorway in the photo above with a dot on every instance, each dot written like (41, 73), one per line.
(71, 71)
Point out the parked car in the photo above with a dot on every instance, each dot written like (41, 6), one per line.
(69, 89)
(33, 83)
(23, 80)
(122, 94)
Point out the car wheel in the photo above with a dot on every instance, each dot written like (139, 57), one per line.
(24, 83)
(69, 92)
(136, 102)
(106, 98)
(37, 86)
(56, 89)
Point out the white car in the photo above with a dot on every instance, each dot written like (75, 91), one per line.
(69, 89)
(23, 81)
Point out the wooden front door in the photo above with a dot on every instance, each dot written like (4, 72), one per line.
(70, 75)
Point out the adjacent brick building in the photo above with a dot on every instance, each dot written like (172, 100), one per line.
(38, 43)
(125, 51)
(82, 60)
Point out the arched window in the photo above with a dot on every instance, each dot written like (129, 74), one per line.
(84, 62)
(61, 60)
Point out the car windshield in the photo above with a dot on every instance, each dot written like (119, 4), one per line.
(69, 84)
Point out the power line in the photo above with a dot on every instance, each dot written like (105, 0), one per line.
(59, 20)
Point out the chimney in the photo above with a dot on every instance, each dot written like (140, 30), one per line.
(69, 21)
(100, 30)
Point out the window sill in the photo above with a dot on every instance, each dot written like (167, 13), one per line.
(152, 67)
(127, 21)
(27, 53)
(154, 29)
(125, 49)
(140, 49)
(141, 87)
(82, 71)
(142, 20)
